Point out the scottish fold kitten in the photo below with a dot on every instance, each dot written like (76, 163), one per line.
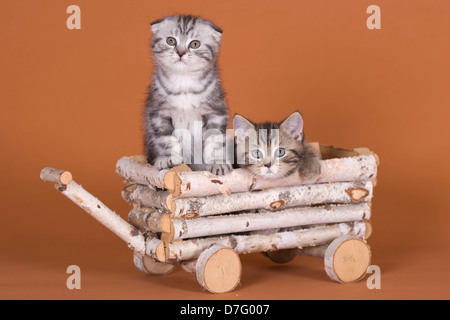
(274, 150)
(186, 96)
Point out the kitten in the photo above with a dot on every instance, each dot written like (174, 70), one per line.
(185, 94)
(275, 150)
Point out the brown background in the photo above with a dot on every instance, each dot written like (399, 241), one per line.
(73, 99)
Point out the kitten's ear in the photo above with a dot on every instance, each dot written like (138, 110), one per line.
(293, 126)
(156, 24)
(242, 128)
(217, 35)
(240, 123)
(216, 28)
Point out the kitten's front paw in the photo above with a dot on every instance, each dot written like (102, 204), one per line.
(165, 162)
(219, 169)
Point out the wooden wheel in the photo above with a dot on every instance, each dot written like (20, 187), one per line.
(219, 269)
(281, 256)
(150, 266)
(347, 259)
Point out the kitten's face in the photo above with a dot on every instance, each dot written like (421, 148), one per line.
(271, 150)
(185, 43)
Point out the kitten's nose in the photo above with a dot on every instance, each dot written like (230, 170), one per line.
(181, 53)
(268, 165)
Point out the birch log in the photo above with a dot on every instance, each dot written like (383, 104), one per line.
(136, 169)
(147, 196)
(150, 266)
(347, 259)
(271, 199)
(281, 256)
(149, 219)
(199, 184)
(284, 256)
(56, 175)
(319, 251)
(236, 223)
(218, 269)
(104, 215)
(305, 237)
(156, 249)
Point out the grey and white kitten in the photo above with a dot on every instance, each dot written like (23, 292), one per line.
(185, 90)
(275, 150)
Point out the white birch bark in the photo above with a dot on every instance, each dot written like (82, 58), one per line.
(148, 219)
(146, 196)
(136, 169)
(236, 223)
(104, 215)
(199, 184)
(305, 237)
(270, 199)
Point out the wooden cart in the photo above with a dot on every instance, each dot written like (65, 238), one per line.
(202, 222)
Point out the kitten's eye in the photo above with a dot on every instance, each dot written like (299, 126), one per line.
(171, 41)
(280, 152)
(257, 154)
(195, 44)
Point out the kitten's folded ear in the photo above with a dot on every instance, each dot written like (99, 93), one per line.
(293, 126)
(156, 24)
(217, 35)
(216, 28)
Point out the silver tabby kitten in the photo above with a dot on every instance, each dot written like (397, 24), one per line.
(185, 94)
(275, 150)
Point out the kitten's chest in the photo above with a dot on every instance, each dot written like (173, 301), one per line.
(183, 83)
(185, 110)
(185, 102)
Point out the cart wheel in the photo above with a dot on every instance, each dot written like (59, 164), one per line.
(347, 259)
(281, 256)
(218, 269)
(150, 266)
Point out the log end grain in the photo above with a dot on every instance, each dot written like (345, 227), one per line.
(172, 183)
(165, 224)
(347, 259)
(65, 177)
(56, 175)
(161, 252)
(170, 203)
(171, 180)
(168, 235)
(368, 230)
(219, 269)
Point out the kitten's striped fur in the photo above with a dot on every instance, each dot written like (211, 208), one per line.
(185, 88)
(299, 157)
